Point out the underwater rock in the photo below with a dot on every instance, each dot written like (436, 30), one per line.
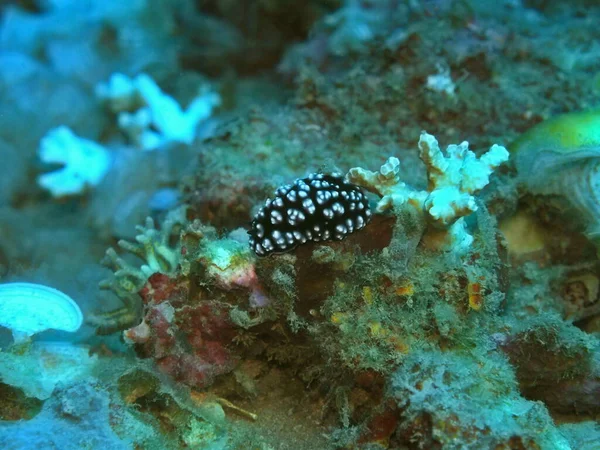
(75, 417)
(317, 266)
(186, 329)
(445, 397)
(187, 339)
(44, 366)
(580, 294)
(226, 201)
(559, 367)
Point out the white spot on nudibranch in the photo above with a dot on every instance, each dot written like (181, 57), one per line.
(276, 217)
(360, 222)
(350, 224)
(338, 208)
(267, 244)
(283, 189)
(321, 197)
(291, 196)
(260, 230)
(308, 206)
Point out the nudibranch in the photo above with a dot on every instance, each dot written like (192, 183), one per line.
(561, 158)
(317, 208)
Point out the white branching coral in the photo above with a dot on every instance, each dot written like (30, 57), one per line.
(84, 162)
(453, 180)
(151, 118)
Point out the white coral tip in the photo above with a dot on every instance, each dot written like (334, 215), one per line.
(391, 168)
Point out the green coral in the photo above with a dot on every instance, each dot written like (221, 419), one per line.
(155, 247)
(160, 252)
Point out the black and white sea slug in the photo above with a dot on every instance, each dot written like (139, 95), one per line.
(317, 208)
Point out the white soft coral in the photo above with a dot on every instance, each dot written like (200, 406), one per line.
(453, 179)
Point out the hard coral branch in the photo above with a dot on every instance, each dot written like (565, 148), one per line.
(453, 178)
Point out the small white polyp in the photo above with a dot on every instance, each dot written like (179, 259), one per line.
(27, 309)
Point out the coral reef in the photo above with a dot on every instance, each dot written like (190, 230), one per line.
(461, 312)
(413, 308)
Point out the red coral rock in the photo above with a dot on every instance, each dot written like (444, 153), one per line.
(163, 332)
(161, 287)
(190, 370)
(381, 427)
(187, 337)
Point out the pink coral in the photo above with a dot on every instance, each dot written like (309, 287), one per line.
(187, 338)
